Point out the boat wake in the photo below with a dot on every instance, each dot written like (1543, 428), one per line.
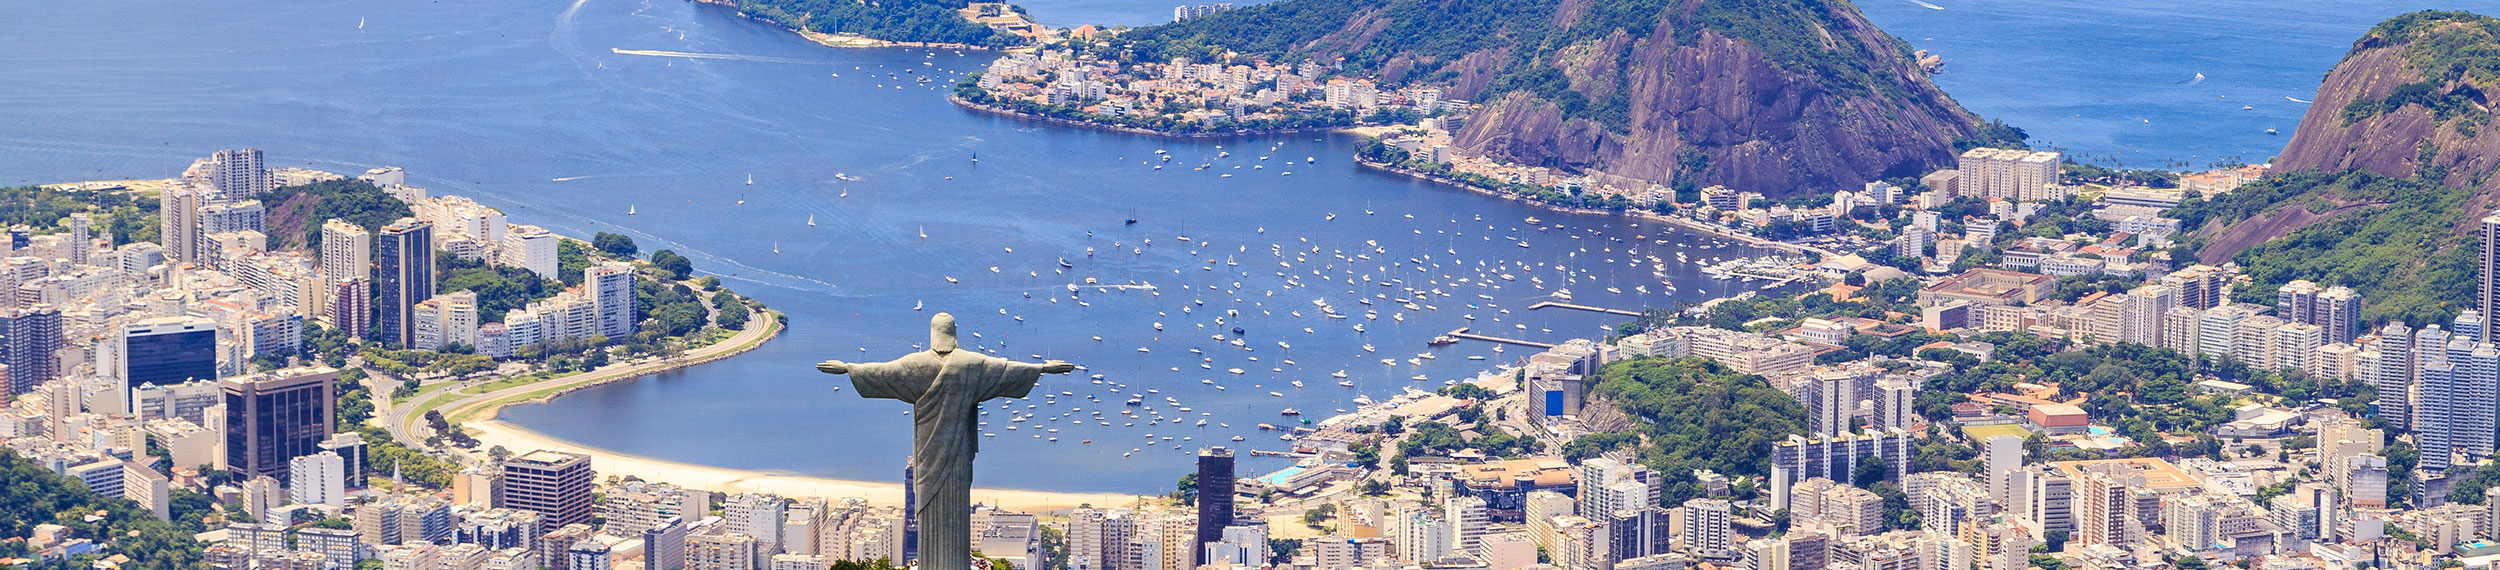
(1926, 5)
(2200, 78)
(2289, 98)
(720, 56)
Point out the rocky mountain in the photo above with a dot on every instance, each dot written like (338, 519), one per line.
(2414, 96)
(2381, 187)
(1777, 96)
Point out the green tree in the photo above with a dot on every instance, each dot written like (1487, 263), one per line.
(615, 245)
(673, 263)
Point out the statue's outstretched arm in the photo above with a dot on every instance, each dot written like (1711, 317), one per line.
(1053, 367)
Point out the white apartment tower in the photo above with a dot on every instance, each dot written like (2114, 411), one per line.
(611, 287)
(346, 251)
(1707, 527)
(237, 174)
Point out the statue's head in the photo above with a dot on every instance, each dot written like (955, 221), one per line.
(942, 333)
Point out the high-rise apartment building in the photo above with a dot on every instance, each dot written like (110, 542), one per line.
(178, 223)
(403, 263)
(554, 484)
(757, 515)
(351, 307)
(32, 347)
(276, 416)
(81, 237)
(2199, 286)
(346, 251)
(237, 174)
(2489, 296)
(1707, 527)
(611, 287)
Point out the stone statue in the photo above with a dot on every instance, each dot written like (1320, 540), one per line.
(945, 388)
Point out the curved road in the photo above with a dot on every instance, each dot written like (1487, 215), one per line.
(403, 419)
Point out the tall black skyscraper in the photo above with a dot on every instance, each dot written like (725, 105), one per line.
(274, 417)
(32, 346)
(1215, 499)
(403, 270)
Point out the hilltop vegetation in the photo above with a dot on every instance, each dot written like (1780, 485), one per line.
(297, 212)
(2453, 51)
(2396, 243)
(932, 21)
(1698, 415)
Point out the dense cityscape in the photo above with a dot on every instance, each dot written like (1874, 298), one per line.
(2007, 358)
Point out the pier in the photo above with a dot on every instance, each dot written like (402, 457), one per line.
(1462, 333)
(1562, 305)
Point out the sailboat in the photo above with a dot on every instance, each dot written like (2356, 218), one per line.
(750, 180)
(924, 233)
(1132, 217)
(915, 305)
(629, 210)
(360, 23)
(811, 220)
(776, 248)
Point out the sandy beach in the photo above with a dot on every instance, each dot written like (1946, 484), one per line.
(492, 433)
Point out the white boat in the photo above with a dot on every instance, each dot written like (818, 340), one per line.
(750, 180)
(629, 210)
(811, 220)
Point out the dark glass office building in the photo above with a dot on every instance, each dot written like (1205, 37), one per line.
(170, 350)
(1215, 499)
(403, 270)
(274, 417)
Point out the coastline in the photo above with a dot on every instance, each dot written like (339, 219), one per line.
(843, 41)
(993, 109)
(1375, 131)
(476, 415)
(539, 392)
(725, 480)
(1753, 240)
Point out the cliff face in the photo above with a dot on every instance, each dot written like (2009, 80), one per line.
(1776, 96)
(2413, 97)
(1719, 111)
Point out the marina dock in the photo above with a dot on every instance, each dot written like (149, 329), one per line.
(1462, 333)
(1593, 309)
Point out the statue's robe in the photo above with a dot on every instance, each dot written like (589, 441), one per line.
(945, 392)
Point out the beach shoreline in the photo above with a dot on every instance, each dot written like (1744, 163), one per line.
(606, 462)
(478, 419)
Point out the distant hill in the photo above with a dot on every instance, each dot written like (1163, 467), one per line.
(2413, 97)
(1777, 96)
(2382, 186)
(930, 21)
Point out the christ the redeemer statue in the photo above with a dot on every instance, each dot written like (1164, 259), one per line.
(945, 388)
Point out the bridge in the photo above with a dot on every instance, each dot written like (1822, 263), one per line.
(1562, 305)
(1462, 333)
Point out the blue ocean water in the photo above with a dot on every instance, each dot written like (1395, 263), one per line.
(2117, 82)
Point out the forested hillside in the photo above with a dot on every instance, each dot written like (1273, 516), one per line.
(1778, 96)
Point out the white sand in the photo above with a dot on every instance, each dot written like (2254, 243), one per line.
(517, 439)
